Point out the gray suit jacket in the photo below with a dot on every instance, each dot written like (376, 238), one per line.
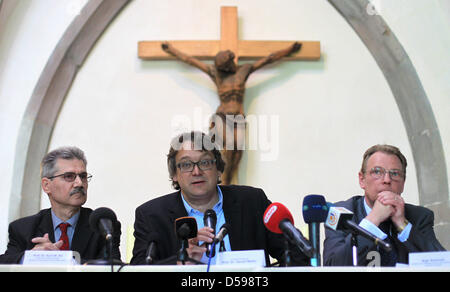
(337, 250)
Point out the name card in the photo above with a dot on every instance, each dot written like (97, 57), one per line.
(50, 257)
(429, 259)
(242, 257)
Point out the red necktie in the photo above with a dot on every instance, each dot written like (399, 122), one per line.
(64, 237)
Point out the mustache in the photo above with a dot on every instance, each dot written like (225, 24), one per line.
(78, 190)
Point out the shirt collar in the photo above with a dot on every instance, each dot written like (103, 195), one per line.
(366, 207)
(72, 221)
(191, 211)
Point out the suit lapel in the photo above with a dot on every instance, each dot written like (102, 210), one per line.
(83, 233)
(360, 211)
(233, 216)
(45, 225)
(176, 208)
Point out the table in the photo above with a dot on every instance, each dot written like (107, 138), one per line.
(202, 268)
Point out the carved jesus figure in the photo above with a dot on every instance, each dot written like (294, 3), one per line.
(230, 80)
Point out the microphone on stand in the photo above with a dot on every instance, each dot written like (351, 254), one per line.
(340, 218)
(185, 228)
(278, 219)
(153, 240)
(102, 220)
(223, 231)
(315, 211)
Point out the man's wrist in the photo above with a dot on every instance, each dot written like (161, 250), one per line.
(400, 227)
(373, 219)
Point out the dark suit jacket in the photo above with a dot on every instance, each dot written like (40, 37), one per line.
(89, 244)
(243, 208)
(337, 250)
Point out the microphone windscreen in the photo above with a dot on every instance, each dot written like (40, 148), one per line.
(274, 214)
(153, 236)
(315, 209)
(210, 213)
(186, 227)
(101, 213)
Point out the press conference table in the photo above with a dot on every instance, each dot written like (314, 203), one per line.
(202, 268)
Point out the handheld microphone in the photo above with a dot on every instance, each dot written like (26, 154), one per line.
(210, 220)
(102, 220)
(223, 231)
(315, 211)
(278, 219)
(340, 218)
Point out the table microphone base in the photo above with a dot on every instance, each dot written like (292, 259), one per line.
(103, 262)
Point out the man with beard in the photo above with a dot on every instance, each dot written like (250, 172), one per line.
(65, 226)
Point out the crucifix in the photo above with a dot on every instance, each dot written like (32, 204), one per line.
(229, 77)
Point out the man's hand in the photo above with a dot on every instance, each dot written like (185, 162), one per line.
(397, 203)
(196, 251)
(380, 213)
(44, 243)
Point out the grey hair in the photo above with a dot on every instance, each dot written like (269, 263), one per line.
(48, 164)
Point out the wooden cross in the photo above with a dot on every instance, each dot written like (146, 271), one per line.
(151, 50)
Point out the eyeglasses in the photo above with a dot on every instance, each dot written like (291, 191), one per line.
(72, 176)
(188, 166)
(380, 172)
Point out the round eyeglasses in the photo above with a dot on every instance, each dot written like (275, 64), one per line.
(72, 176)
(188, 166)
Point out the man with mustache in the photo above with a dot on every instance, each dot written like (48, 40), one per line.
(195, 166)
(65, 226)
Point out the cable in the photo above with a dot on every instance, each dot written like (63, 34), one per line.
(111, 256)
(210, 257)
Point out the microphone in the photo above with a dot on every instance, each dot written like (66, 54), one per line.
(186, 227)
(315, 211)
(153, 238)
(340, 218)
(101, 221)
(278, 219)
(222, 233)
(210, 220)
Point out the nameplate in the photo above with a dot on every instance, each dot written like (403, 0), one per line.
(242, 257)
(50, 257)
(429, 259)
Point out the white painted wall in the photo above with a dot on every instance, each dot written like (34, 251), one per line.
(122, 111)
(27, 40)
